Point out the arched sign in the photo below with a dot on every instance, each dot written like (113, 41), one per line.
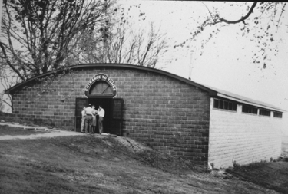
(100, 85)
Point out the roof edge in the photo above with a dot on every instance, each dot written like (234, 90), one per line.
(211, 91)
(249, 102)
(116, 65)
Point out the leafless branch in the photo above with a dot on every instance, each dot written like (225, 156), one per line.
(217, 19)
(6, 102)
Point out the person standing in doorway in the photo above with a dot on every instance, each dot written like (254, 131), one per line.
(88, 118)
(82, 119)
(101, 113)
(94, 121)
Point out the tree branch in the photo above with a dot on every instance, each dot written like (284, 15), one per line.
(9, 63)
(6, 103)
(219, 19)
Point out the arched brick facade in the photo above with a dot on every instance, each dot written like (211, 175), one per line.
(160, 109)
(163, 110)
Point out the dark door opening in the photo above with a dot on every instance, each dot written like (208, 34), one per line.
(113, 117)
(106, 104)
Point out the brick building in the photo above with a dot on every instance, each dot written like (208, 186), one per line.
(163, 110)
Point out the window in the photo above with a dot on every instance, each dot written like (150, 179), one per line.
(224, 104)
(249, 109)
(278, 114)
(265, 112)
(101, 88)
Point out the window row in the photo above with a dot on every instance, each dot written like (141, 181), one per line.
(225, 104)
(232, 106)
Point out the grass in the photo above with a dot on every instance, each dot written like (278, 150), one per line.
(87, 164)
(269, 175)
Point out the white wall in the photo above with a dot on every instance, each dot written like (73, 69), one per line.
(243, 137)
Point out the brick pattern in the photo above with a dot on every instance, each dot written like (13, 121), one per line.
(160, 111)
(245, 138)
(7, 117)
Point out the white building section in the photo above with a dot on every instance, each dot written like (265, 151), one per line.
(245, 135)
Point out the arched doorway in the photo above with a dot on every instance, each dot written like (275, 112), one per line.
(101, 91)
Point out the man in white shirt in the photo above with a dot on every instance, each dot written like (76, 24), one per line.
(101, 113)
(82, 119)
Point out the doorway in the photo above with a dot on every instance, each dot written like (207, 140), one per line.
(106, 104)
(113, 116)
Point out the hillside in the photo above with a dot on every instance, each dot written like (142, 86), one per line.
(103, 164)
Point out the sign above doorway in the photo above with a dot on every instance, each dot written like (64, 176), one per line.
(100, 85)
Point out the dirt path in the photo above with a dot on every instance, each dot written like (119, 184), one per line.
(41, 135)
(132, 145)
(46, 132)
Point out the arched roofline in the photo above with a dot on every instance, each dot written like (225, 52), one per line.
(211, 92)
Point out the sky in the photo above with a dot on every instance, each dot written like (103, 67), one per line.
(227, 62)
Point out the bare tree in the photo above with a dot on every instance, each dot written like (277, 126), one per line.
(1, 102)
(7, 80)
(39, 35)
(260, 22)
(120, 43)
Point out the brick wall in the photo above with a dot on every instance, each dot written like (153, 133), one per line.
(8, 117)
(159, 110)
(246, 138)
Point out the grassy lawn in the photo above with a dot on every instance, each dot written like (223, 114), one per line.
(269, 175)
(87, 164)
(93, 165)
(6, 130)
